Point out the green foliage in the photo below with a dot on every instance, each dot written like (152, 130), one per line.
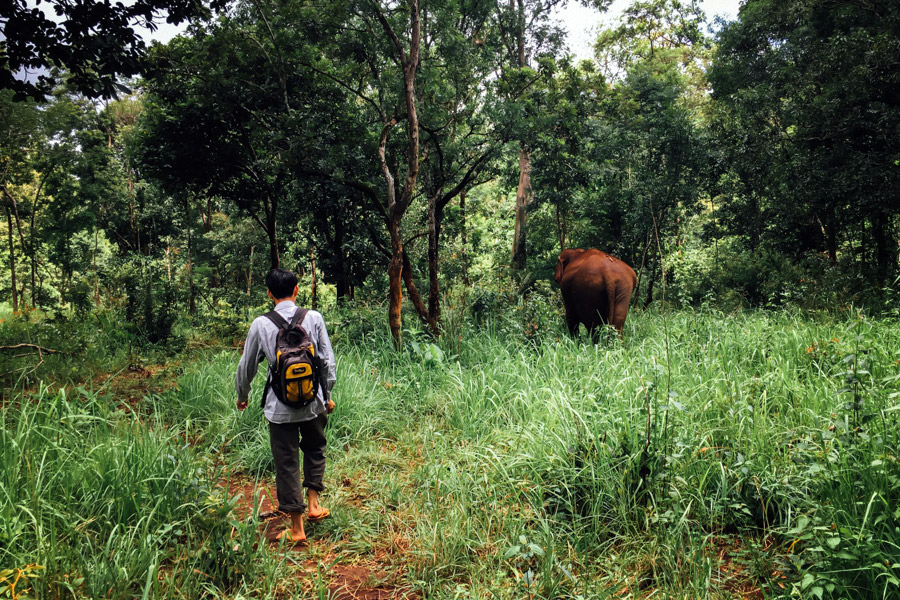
(83, 344)
(124, 493)
(767, 438)
(802, 104)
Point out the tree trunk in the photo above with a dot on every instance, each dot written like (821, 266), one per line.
(416, 298)
(640, 273)
(520, 33)
(885, 248)
(523, 191)
(434, 232)
(192, 307)
(96, 276)
(342, 288)
(651, 267)
(397, 204)
(18, 222)
(32, 255)
(250, 271)
(207, 221)
(561, 226)
(12, 261)
(32, 246)
(33, 276)
(270, 207)
(274, 258)
(523, 200)
(135, 233)
(465, 254)
(313, 290)
(829, 232)
(395, 287)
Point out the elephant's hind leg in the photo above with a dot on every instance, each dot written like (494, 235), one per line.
(619, 308)
(572, 323)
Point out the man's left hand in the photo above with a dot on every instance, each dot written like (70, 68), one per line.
(241, 405)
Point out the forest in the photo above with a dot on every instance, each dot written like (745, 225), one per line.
(420, 165)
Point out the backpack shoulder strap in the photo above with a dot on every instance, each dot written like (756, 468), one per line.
(277, 319)
(298, 317)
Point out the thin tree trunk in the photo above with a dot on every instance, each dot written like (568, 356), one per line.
(396, 206)
(24, 245)
(395, 287)
(523, 200)
(207, 221)
(520, 37)
(343, 289)
(96, 277)
(416, 298)
(434, 232)
(12, 261)
(32, 255)
(523, 191)
(250, 271)
(640, 274)
(192, 307)
(33, 246)
(829, 232)
(649, 297)
(135, 232)
(885, 255)
(271, 230)
(33, 276)
(313, 291)
(561, 227)
(395, 269)
(465, 250)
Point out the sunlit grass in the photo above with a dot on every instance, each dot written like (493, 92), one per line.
(771, 435)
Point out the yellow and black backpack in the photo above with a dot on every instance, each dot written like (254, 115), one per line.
(295, 375)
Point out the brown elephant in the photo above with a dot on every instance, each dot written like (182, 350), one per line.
(596, 289)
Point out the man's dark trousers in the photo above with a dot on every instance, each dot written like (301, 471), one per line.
(287, 440)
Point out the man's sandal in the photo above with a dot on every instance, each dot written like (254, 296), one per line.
(319, 517)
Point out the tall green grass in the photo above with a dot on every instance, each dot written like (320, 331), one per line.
(507, 465)
(96, 502)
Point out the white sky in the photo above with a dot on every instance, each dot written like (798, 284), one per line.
(581, 22)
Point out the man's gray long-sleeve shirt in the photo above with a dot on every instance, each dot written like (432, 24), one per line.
(261, 343)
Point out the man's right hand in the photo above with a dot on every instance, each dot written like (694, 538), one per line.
(329, 406)
(241, 405)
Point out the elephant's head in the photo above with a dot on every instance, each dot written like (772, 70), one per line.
(565, 257)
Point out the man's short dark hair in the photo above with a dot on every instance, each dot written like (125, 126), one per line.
(281, 282)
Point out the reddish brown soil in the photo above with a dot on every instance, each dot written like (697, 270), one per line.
(374, 580)
(130, 386)
(363, 582)
(733, 573)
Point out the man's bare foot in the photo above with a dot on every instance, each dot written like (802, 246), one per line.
(296, 533)
(297, 537)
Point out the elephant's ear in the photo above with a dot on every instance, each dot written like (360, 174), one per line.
(560, 267)
(564, 257)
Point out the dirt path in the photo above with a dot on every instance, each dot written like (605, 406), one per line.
(373, 577)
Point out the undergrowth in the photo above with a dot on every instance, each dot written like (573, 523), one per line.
(760, 459)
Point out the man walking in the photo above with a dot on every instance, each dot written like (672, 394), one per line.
(290, 429)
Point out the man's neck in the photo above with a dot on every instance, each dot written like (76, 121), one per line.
(280, 300)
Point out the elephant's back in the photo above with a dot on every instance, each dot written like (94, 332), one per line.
(603, 265)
